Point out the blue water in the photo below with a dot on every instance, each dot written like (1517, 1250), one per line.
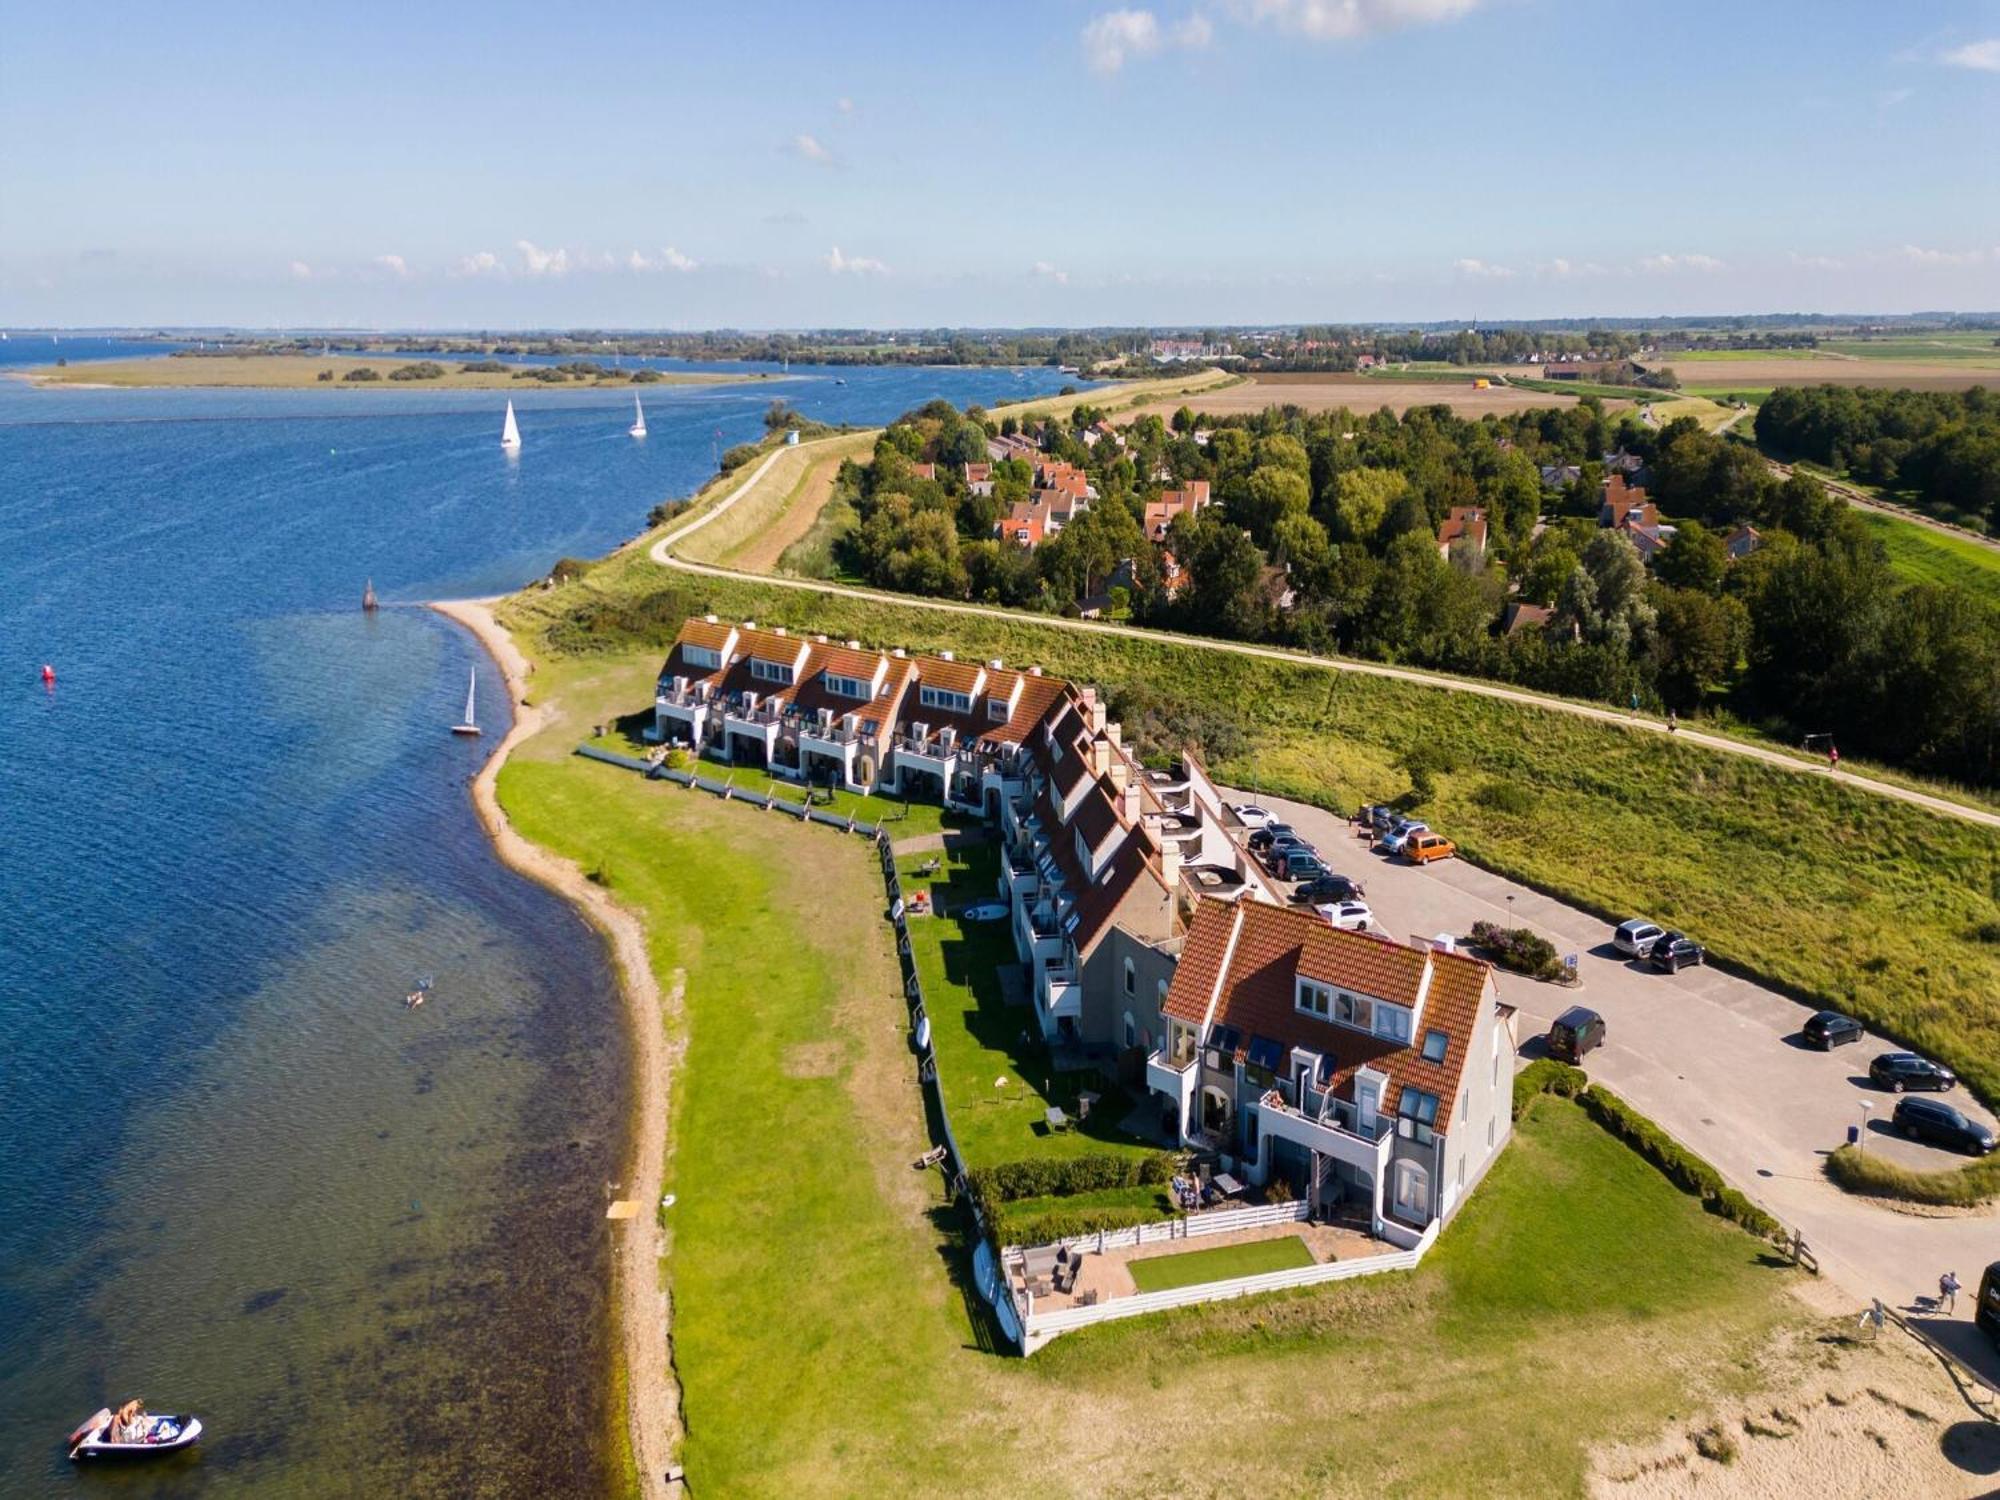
(365, 1243)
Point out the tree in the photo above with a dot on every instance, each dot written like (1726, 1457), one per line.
(1694, 559)
(1361, 500)
(1701, 640)
(1225, 573)
(1271, 496)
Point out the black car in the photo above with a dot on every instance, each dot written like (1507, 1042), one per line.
(1898, 1071)
(1328, 888)
(1674, 952)
(1828, 1029)
(1937, 1122)
(1268, 835)
(1283, 845)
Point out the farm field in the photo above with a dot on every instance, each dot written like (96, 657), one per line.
(1359, 393)
(1767, 369)
(1926, 555)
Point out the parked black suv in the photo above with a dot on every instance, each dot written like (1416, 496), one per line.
(1269, 834)
(1897, 1071)
(1937, 1122)
(1577, 1031)
(1674, 952)
(1328, 888)
(1828, 1029)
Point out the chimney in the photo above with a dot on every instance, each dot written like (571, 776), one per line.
(1096, 715)
(821, 637)
(1100, 757)
(946, 656)
(1034, 671)
(899, 653)
(1170, 861)
(1120, 772)
(710, 618)
(856, 646)
(749, 624)
(996, 664)
(778, 630)
(1113, 732)
(1129, 803)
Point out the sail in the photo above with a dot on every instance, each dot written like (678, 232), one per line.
(510, 435)
(638, 418)
(471, 687)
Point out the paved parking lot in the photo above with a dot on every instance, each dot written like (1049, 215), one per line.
(1714, 1059)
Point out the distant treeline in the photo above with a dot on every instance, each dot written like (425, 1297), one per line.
(1940, 447)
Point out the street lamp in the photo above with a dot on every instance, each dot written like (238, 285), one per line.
(1861, 1139)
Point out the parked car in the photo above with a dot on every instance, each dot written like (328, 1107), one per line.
(1298, 864)
(1673, 951)
(1250, 815)
(1900, 1071)
(1635, 938)
(1352, 916)
(1577, 1031)
(1378, 817)
(1264, 837)
(1329, 887)
(1275, 855)
(1399, 834)
(1426, 848)
(1937, 1122)
(1827, 1029)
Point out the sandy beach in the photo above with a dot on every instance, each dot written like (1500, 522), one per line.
(643, 1308)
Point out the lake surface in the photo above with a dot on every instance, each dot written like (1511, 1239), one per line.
(365, 1243)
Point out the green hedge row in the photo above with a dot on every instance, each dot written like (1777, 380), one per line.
(1874, 1174)
(1545, 1075)
(1682, 1167)
(1068, 1223)
(995, 1186)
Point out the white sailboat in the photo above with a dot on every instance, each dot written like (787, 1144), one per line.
(638, 427)
(510, 434)
(469, 725)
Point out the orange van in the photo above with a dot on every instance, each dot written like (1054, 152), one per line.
(1425, 847)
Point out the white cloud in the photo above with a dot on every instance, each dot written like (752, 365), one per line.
(1480, 270)
(1815, 262)
(1110, 39)
(395, 265)
(1981, 57)
(1345, 20)
(1043, 271)
(540, 262)
(854, 265)
(668, 259)
(1194, 33)
(481, 263)
(301, 271)
(1666, 265)
(809, 148)
(1892, 97)
(1917, 255)
(844, 105)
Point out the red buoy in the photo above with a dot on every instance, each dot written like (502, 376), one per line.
(48, 674)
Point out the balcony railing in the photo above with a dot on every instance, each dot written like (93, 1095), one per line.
(828, 734)
(682, 698)
(763, 717)
(931, 749)
(1341, 1116)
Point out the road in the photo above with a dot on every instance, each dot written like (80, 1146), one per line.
(1716, 1061)
(662, 553)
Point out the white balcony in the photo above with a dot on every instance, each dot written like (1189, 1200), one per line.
(1061, 993)
(1172, 1081)
(1337, 1135)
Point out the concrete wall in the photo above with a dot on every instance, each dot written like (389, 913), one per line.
(1105, 1002)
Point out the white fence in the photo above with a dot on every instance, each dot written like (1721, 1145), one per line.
(1039, 1328)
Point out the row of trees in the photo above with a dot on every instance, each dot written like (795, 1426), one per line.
(1812, 633)
(1940, 447)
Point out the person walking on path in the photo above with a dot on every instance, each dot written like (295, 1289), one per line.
(1948, 1291)
(1832, 756)
(1673, 722)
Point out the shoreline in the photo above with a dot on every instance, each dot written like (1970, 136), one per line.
(642, 1308)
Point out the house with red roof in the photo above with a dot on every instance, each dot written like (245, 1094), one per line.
(1376, 1077)
(1466, 524)
(1160, 513)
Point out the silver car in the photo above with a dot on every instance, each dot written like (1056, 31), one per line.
(1635, 938)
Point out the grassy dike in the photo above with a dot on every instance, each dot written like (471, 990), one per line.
(1840, 897)
(823, 1346)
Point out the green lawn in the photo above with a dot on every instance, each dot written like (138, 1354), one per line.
(1166, 1272)
(998, 1080)
(1928, 556)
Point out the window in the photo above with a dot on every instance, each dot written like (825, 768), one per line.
(1163, 995)
(1314, 999)
(770, 671)
(936, 697)
(701, 656)
(997, 710)
(1131, 1032)
(1413, 1190)
(847, 687)
(1434, 1044)
(1418, 1106)
(1131, 988)
(1354, 1010)
(1393, 1022)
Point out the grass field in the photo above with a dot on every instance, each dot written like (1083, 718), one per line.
(1166, 1272)
(302, 372)
(1926, 555)
(1844, 898)
(1746, 370)
(1361, 393)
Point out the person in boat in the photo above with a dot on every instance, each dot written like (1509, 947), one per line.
(129, 1424)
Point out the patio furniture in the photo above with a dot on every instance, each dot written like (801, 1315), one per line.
(1056, 1118)
(1228, 1186)
(1088, 1299)
(1083, 1102)
(1065, 1277)
(1039, 1262)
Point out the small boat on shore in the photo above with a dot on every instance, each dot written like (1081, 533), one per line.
(638, 427)
(510, 431)
(468, 725)
(368, 596)
(139, 1434)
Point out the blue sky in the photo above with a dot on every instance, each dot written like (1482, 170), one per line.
(1046, 162)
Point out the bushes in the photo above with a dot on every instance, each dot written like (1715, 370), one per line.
(1519, 951)
(1681, 1166)
(1875, 1175)
(423, 369)
(1545, 1075)
(365, 372)
(994, 1187)
(735, 458)
(1508, 798)
(1011, 1227)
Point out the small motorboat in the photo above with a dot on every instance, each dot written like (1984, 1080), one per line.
(983, 911)
(420, 994)
(143, 1435)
